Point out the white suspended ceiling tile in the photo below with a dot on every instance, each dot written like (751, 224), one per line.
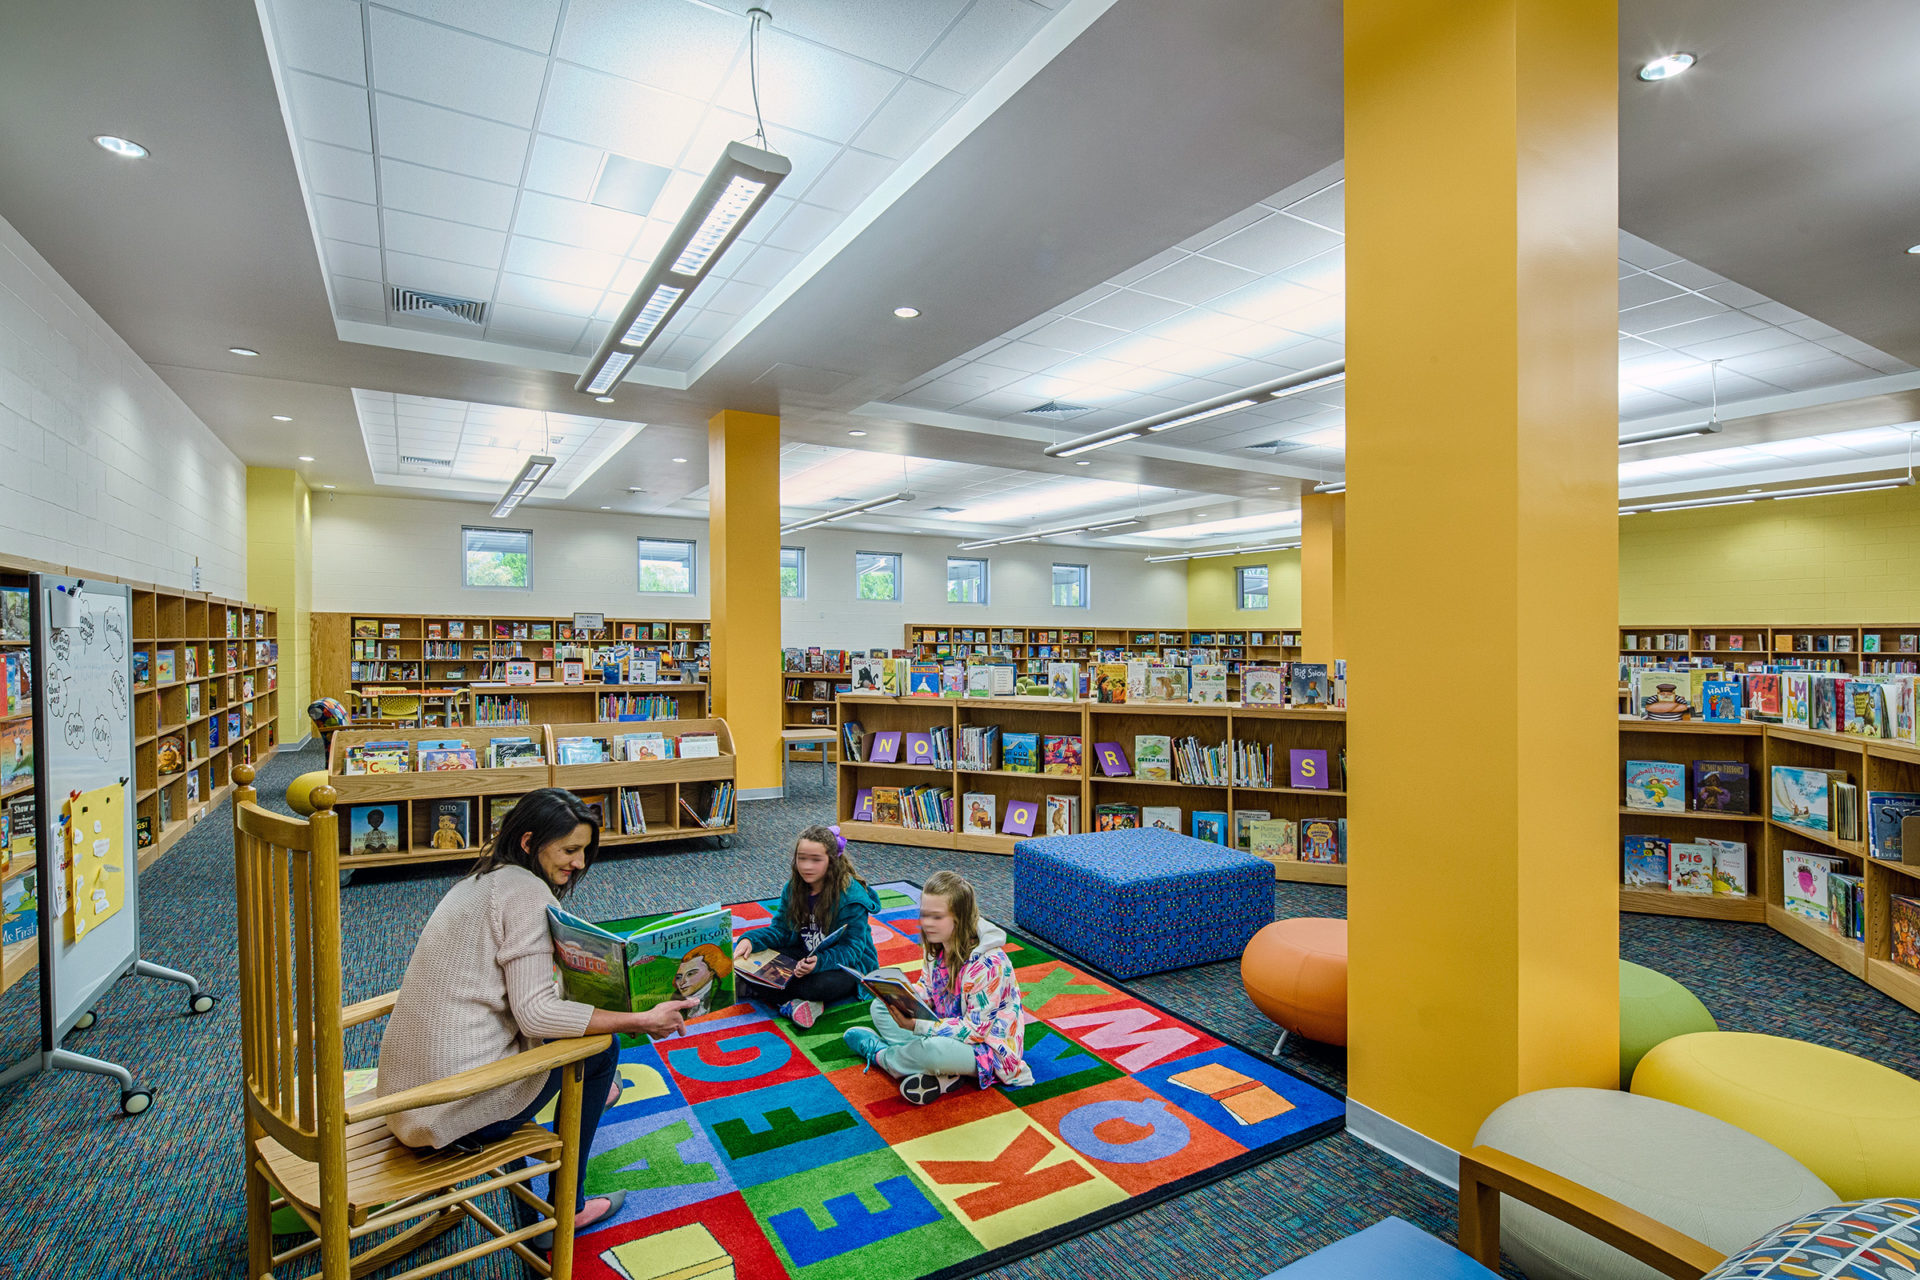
(329, 111)
(1655, 316)
(322, 38)
(804, 227)
(1775, 313)
(1766, 338)
(1691, 275)
(1069, 334)
(808, 87)
(673, 45)
(339, 171)
(1734, 295)
(1125, 309)
(1195, 279)
(767, 266)
(353, 259)
(976, 46)
(1643, 254)
(1728, 324)
(706, 325)
(455, 70)
(1814, 329)
(527, 23)
(1024, 357)
(562, 168)
(442, 139)
(434, 275)
(1825, 371)
(560, 332)
(1275, 243)
(576, 223)
(735, 297)
(412, 188)
(1328, 207)
(348, 220)
(885, 31)
(618, 115)
(848, 180)
(362, 295)
(1266, 299)
(547, 295)
(582, 267)
(438, 238)
(1220, 230)
(1637, 290)
(904, 120)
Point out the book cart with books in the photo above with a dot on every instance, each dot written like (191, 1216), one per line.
(356, 653)
(448, 799)
(1030, 649)
(979, 774)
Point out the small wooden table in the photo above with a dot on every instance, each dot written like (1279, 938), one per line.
(821, 736)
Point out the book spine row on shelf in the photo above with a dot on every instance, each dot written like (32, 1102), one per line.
(980, 746)
(1198, 765)
(632, 818)
(1252, 764)
(926, 808)
(499, 708)
(639, 706)
(720, 810)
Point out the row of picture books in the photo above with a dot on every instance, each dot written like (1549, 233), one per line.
(1812, 799)
(1867, 706)
(1661, 786)
(162, 667)
(1295, 684)
(1817, 888)
(504, 629)
(1801, 641)
(444, 754)
(377, 828)
(1686, 866)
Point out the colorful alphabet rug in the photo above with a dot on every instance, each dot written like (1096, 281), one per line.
(751, 1149)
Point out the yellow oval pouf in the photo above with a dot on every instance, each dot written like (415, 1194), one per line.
(300, 791)
(1854, 1123)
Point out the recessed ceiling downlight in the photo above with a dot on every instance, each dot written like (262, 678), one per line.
(242, 351)
(1668, 67)
(906, 313)
(281, 417)
(305, 458)
(120, 146)
(1913, 248)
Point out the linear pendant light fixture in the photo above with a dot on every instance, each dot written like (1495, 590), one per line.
(532, 472)
(1325, 375)
(873, 504)
(738, 188)
(1098, 527)
(1736, 499)
(1225, 551)
(1710, 427)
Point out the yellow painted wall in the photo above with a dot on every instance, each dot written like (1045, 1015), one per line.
(1848, 559)
(1211, 589)
(280, 577)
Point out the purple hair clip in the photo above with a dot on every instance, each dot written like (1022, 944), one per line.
(842, 839)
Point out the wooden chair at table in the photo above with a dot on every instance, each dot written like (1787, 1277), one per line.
(333, 1157)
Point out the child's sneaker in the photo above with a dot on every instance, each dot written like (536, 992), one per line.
(865, 1043)
(922, 1087)
(802, 1012)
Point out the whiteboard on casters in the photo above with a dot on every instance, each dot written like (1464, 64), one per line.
(83, 732)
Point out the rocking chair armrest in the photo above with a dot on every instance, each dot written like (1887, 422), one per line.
(367, 1010)
(476, 1080)
(1486, 1172)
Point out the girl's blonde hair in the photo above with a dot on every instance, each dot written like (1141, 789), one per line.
(840, 873)
(965, 910)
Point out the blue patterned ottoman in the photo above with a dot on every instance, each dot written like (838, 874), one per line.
(1141, 901)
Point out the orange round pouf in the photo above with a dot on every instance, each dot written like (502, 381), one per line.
(1295, 972)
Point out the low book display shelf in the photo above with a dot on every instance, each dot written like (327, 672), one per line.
(447, 814)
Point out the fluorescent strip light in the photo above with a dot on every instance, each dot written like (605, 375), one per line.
(531, 472)
(1669, 433)
(616, 364)
(1331, 486)
(1734, 500)
(1279, 389)
(1203, 415)
(873, 504)
(1225, 551)
(739, 186)
(1046, 533)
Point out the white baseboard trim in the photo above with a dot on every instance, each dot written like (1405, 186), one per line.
(1409, 1146)
(760, 793)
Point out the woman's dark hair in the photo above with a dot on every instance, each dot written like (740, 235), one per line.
(546, 815)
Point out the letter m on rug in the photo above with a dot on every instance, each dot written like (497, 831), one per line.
(1149, 1038)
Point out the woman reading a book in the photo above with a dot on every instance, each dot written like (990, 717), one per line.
(821, 920)
(480, 987)
(968, 985)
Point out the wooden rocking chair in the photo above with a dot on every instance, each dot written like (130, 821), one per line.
(332, 1157)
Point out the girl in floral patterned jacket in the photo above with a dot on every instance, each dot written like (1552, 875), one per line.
(969, 984)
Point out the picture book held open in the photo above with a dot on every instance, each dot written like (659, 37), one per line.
(685, 956)
(772, 968)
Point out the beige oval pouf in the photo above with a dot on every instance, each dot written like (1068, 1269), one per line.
(1718, 1184)
(1850, 1120)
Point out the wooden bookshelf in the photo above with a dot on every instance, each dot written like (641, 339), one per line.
(550, 703)
(1683, 742)
(1093, 722)
(801, 709)
(1840, 649)
(662, 784)
(418, 653)
(1031, 648)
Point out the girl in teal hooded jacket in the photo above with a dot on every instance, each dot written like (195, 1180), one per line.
(824, 893)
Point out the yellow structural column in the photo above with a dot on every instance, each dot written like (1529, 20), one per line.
(743, 532)
(1323, 577)
(280, 577)
(1482, 208)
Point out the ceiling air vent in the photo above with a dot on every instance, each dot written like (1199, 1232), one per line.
(1278, 446)
(415, 461)
(413, 302)
(1054, 409)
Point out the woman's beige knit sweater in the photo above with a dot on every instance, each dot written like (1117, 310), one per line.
(480, 987)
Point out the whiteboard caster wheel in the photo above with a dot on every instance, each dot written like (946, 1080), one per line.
(202, 1003)
(135, 1101)
(85, 1020)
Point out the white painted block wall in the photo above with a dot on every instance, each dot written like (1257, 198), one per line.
(102, 466)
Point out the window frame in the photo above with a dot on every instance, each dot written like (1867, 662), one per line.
(800, 573)
(899, 575)
(986, 579)
(1086, 586)
(1240, 572)
(693, 566)
(466, 583)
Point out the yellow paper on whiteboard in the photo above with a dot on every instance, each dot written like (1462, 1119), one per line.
(96, 858)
